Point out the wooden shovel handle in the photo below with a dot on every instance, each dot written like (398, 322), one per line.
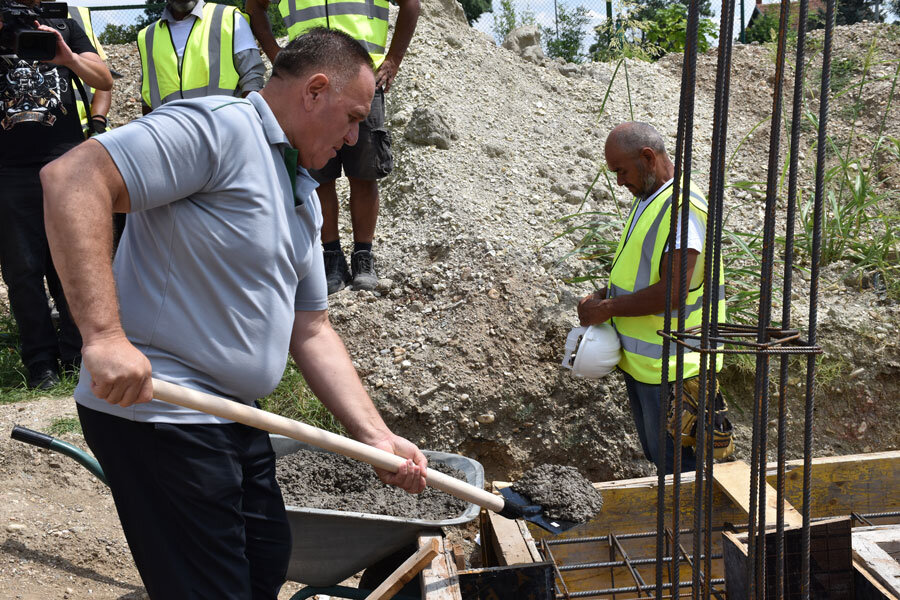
(260, 419)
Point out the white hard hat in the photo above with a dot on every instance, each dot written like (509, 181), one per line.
(592, 351)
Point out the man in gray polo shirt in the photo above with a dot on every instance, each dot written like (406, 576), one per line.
(218, 275)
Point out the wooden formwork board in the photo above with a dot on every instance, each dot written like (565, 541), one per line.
(866, 483)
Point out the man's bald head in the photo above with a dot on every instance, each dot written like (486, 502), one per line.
(633, 137)
(636, 153)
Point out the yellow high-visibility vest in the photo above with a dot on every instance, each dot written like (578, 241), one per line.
(366, 21)
(635, 267)
(207, 66)
(82, 16)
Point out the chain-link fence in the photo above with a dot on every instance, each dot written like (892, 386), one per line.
(569, 27)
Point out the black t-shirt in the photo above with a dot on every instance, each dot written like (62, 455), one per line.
(39, 120)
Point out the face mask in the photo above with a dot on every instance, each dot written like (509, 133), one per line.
(182, 6)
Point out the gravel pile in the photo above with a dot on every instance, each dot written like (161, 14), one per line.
(460, 345)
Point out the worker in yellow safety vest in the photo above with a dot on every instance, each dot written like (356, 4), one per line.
(635, 297)
(198, 49)
(370, 159)
(94, 109)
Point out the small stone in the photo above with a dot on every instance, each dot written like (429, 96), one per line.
(13, 527)
(857, 372)
(486, 418)
(379, 383)
(493, 294)
(862, 428)
(399, 351)
(405, 364)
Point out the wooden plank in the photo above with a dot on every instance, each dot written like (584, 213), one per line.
(507, 540)
(871, 546)
(440, 580)
(405, 572)
(734, 479)
(529, 541)
(862, 483)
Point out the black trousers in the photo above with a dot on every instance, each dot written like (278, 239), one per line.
(25, 260)
(199, 505)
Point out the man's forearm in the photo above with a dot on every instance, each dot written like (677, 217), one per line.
(322, 358)
(78, 201)
(92, 71)
(262, 29)
(404, 29)
(101, 103)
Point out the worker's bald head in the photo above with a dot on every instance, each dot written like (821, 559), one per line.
(633, 137)
(636, 153)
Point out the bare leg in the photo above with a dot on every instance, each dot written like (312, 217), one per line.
(329, 201)
(363, 209)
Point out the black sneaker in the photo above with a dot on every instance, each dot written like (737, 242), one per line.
(336, 272)
(42, 377)
(364, 276)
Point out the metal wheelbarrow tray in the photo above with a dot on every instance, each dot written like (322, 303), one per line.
(330, 546)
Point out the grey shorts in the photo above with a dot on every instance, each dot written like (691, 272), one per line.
(371, 157)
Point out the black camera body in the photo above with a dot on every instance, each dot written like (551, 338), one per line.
(19, 35)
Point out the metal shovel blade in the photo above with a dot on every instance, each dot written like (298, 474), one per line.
(533, 513)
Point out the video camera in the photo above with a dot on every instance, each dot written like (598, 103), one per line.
(19, 35)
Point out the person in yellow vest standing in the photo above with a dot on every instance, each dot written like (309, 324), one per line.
(370, 158)
(93, 110)
(198, 49)
(635, 297)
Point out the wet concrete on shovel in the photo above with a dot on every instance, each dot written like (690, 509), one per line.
(562, 491)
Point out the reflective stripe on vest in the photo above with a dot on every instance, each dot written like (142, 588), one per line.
(82, 16)
(366, 21)
(636, 267)
(207, 66)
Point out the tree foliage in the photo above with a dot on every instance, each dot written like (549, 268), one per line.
(508, 19)
(474, 8)
(763, 29)
(566, 44)
(649, 30)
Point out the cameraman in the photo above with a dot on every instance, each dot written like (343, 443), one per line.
(39, 122)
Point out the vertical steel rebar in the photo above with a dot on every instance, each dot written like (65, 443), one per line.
(683, 167)
(796, 117)
(757, 548)
(712, 257)
(667, 328)
(814, 293)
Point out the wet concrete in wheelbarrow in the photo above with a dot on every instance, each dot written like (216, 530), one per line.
(329, 481)
(562, 491)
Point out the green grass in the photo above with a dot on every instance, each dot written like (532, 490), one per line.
(12, 372)
(64, 425)
(294, 400)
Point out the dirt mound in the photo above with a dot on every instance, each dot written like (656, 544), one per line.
(459, 346)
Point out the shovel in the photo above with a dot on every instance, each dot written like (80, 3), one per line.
(511, 505)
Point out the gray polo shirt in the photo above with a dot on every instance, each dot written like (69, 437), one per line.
(218, 252)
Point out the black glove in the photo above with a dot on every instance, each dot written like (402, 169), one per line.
(98, 124)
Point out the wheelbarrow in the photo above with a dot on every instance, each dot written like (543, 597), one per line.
(328, 545)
